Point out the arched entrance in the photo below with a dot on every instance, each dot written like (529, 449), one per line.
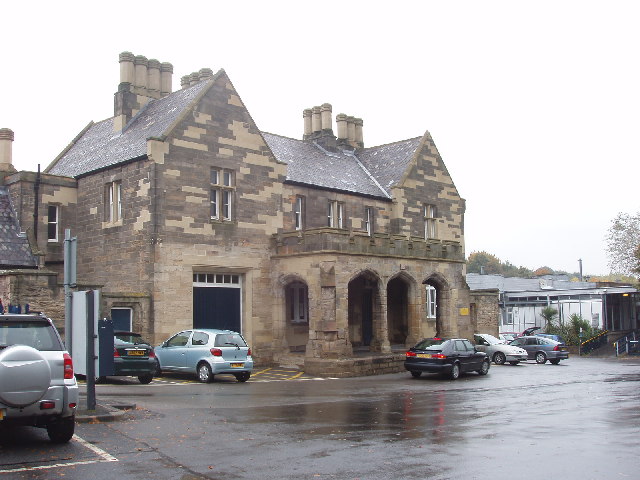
(398, 311)
(296, 296)
(366, 329)
(436, 302)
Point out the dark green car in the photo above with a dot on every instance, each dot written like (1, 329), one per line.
(133, 356)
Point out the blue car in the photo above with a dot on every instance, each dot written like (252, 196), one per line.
(206, 353)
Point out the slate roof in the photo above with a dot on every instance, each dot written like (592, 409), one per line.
(14, 248)
(372, 172)
(100, 147)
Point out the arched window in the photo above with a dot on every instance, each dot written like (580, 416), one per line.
(431, 302)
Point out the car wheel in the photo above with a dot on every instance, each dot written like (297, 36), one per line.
(514, 363)
(415, 374)
(61, 431)
(144, 379)
(204, 373)
(455, 371)
(555, 361)
(499, 358)
(485, 367)
(541, 357)
(243, 376)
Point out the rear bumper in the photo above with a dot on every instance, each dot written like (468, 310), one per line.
(63, 397)
(134, 367)
(221, 366)
(413, 366)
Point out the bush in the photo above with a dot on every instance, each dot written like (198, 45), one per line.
(571, 331)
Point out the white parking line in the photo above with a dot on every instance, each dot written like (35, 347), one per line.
(104, 457)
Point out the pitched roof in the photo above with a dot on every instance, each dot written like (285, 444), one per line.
(14, 247)
(100, 147)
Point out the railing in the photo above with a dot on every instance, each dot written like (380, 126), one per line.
(592, 343)
(629, 344)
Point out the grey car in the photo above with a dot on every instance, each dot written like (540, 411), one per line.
(498, 352)
(542, 349)
(206, 353)
(37, 383)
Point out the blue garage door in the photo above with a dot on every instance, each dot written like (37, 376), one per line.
(216, 307)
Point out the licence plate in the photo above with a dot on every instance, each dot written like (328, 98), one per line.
(237, 365)
(423, 355)
(136, 352)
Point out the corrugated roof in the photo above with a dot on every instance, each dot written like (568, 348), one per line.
(101, 147)
(14, 247)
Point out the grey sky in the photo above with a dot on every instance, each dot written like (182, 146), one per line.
(533, 105)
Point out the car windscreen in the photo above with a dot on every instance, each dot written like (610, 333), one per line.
(128, 337)
(491, 340)
(229, 340)
(37, 334)
(430, 344)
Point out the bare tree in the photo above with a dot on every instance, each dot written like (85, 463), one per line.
(623, 241)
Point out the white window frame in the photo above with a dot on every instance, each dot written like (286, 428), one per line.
(114, 200)
(298, 209)
(222, 191)
(335, 214)
(368, 220)
(430, 219)
(55, 223)
(431, 303)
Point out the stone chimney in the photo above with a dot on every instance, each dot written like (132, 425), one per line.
(318, 126)
(349, 131)
(141, 80)
(6, 143)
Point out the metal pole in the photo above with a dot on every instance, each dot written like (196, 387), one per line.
(91, 352)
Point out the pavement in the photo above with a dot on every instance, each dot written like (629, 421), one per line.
(102, 412)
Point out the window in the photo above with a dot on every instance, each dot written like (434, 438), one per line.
(52, 223)
(298, 213)
(507, 318)
(429, 213)
(368, 220)
(199, 338)
(297, 308)
(114, 202)
(335, 214)
(222, 183)
(431, 302)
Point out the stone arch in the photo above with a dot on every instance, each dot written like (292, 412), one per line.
(401, 309)
(294, 298)
(367, 327)
(442, 299)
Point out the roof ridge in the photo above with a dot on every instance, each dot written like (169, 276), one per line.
(394, 143)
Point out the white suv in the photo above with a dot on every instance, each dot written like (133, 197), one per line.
(37, 384)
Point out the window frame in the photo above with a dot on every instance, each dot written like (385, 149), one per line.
(56, 223)
(298, 212)
(335, 214)
(221, 196)
(297, 299)
(368, 220)
(430, 216)
(431, 301)
(113, 200)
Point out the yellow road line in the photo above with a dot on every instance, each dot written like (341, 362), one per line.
(261, 371)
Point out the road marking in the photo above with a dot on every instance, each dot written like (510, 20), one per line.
(104, 457)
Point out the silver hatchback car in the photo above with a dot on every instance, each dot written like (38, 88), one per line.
(37, 383)
(206, 353)
(542, 349)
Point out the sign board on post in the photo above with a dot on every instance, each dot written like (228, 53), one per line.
(80, 329)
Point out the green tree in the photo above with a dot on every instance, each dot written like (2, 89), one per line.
(483, 262)
(623, 244)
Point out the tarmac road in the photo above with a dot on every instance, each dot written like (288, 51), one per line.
(576, 420)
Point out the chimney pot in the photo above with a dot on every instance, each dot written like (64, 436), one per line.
(127, 69)
(316, 119)
(306, 115)
(153, 75)
(141, 63)
(184, 81)
(205, 74)
(166, 73)
(358, 124)
(194, 78)
(341, 123)
(6, 141)
(351, 130)
(325, 112)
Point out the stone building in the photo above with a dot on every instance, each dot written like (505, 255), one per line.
(187, 214)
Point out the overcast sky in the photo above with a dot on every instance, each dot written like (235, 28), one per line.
(534, 106)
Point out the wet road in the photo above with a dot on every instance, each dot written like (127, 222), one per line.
(576, 420)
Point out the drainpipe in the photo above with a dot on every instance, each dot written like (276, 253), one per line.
(36, 202)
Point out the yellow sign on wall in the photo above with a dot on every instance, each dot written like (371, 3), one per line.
(464, 311)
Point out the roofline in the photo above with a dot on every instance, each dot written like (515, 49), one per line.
(68, 147)
(107, 167)
(338, 190)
